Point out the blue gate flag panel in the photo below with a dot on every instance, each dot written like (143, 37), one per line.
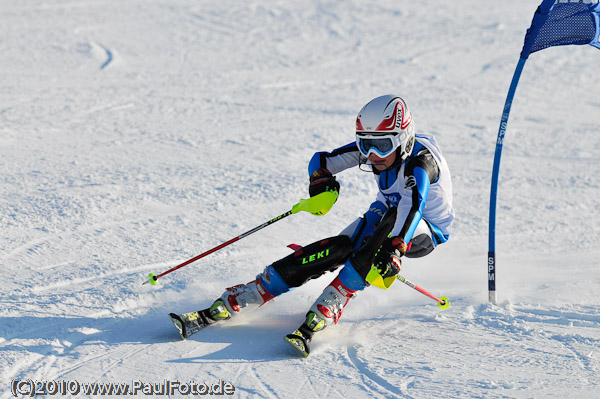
(561, 23)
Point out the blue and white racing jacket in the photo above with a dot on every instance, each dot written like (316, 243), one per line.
(420, 186)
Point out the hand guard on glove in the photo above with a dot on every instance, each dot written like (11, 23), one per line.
(387, 263)
(321, 181)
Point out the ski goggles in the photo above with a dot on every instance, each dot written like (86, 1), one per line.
(382, 145)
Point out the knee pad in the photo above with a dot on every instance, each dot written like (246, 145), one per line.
(421, 245)
(313, 260)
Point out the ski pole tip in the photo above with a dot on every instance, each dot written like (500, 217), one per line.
(152, 279)
(444, 304)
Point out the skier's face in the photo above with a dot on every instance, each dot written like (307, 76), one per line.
(382, 164)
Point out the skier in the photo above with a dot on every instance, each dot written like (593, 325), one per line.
(411, 215)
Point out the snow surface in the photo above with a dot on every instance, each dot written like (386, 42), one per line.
(137, 134)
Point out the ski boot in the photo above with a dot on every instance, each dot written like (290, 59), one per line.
(326, 310)
(245, 297)
(233, 301)
(190, 323)
(300, 339)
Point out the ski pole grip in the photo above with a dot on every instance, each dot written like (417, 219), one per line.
(318, 205)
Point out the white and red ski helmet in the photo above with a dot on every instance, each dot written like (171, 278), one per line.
(385, 125)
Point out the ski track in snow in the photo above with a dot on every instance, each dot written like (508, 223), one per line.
(531, 321)
(136, 135)
(109, 55)
(33, 245)
(372, 379)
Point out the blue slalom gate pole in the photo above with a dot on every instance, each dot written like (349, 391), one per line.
(555, 23)
(495, 173)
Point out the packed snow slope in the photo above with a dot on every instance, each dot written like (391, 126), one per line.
(137, 134)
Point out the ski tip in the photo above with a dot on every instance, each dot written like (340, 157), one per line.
(299, 343)
(179, 325)
(445, 304)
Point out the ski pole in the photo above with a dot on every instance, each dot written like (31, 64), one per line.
(318, 205)
(443, 302)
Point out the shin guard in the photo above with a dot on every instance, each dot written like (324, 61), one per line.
(313, 260)
(362, 259)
